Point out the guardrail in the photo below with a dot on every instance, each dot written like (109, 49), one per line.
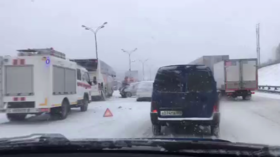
(270, 89)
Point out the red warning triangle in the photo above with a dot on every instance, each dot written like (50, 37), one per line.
(108, 113)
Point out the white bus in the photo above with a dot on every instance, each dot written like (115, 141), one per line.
(102, 76)
(42, 81)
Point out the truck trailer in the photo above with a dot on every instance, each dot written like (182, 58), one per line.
(236, 77)
(210, 60)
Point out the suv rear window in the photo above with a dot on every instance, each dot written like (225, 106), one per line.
(183, 80)
(198, 81)
(168, 81)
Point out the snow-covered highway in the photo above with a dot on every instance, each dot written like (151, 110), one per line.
(252, 121)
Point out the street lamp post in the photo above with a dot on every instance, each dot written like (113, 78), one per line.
(129, 59)
(143, 67)
(95, 34)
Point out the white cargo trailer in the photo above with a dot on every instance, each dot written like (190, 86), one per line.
(209, 61)
(236, 77)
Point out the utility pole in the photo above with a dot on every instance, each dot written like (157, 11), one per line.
(258, 44)
(129, 57)
(143, 67)
(95, 34)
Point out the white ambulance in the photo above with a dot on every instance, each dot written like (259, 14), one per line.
(43, 81)
(102, 76)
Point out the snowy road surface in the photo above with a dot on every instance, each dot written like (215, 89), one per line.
(254, 121)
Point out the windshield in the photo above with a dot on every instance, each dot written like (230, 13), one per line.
(205, 69)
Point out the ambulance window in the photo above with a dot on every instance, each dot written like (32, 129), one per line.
(87, 77)
(78, 74)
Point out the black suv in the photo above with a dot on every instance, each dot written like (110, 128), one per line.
(185, 95)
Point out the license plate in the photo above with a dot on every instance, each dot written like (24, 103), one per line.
(171, 113)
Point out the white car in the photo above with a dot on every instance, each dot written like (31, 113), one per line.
(144, 90)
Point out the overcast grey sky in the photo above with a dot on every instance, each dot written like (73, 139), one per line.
(165, 31)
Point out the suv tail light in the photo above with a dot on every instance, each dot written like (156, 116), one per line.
(216, 107)
(154, 107)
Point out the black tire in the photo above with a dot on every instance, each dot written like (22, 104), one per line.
(84, 107)
(214, 130)
(123, 95)
(249, 97)
(16, 117)
(61, 113)
(128, 94)
(246, 97)
(156, 130)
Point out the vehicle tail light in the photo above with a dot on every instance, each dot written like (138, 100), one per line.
(15, 62)
(154, 107)
(22, 61)
(22, 99)
(252, 92)
(15, 99)
(216, 107)
(154, 111)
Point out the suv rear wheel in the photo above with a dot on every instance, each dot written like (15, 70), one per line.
(157, 130)
(215, 130)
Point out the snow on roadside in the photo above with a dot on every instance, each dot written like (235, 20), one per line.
(255, 121)
(269, 75)
(130, 119)
(267, 95)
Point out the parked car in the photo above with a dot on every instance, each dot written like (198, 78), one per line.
(185, 95)
(130, 90)
(144, 91)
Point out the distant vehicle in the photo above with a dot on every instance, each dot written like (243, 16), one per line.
(102, 76)
(209, 61)
(237, 77)
(43, 81)
(116, 84)
(130, 90)
(131, 76)
(185, 95)
(144, 91)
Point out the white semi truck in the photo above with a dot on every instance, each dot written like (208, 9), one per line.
(236, 77)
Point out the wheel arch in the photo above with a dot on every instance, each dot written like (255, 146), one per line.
(65, 100)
